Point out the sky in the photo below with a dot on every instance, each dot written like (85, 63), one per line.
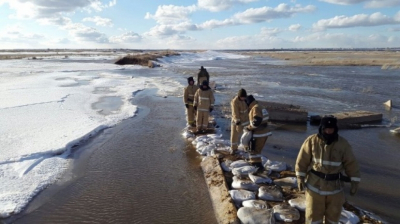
(201, 24)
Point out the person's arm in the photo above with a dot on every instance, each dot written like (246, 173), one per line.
(255, 118)
(304, 158)
(196, 99)
(235, 111)
(351, 168)
(185, 96)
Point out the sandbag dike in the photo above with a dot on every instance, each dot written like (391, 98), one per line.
(145, 59)
(241, 193)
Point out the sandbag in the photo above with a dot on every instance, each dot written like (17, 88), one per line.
(260, 179)
(299, 202)
(255, 216)
(226, 165)
(206, 150)
(246, 138)
(286, 213)
(347, 217)
(287, 181)
(270, 193)
(276, 166)
(244, 184)
(244, 171)
(258, 204)
(238, 196)
(239, 163)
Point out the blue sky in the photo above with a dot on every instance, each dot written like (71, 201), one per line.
(201, 24)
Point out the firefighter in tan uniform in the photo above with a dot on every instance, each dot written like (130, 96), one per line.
(202, 75)
(203, 104)
(258, 119)
(240, 118)
(321, 160)
(188, 98)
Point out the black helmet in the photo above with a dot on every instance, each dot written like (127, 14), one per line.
(328, 121)
(249, 99)
(242, 93)
(190, 79)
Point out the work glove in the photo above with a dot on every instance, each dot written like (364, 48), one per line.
(211, 109)
(300, 183)
(195, 107)
(237, 123)
(186, 105)
(354, 188)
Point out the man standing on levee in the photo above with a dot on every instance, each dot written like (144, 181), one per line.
(321, 160)
(188, 98)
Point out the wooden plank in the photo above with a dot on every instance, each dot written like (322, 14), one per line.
(224, 208)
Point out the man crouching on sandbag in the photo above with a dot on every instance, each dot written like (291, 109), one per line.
(258, 128)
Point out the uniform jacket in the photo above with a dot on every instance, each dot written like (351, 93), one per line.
(260, 129)
(239, 111)
(327, 159)
(204, 99)
(188, 94)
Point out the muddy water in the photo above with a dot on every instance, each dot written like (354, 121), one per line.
(141, 171)
(324, 90)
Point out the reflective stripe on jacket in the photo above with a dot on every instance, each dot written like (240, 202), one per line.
(239, 111)
(327, 159)
(188, 94)
(260, 130)
(204, 99)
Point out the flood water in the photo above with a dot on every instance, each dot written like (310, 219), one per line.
(142, 171)
(325, 90)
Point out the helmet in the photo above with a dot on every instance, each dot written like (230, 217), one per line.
(190, 79)
(242, 93)
(249, 99)
(328, 121)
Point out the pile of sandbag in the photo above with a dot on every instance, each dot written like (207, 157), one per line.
(252, 187)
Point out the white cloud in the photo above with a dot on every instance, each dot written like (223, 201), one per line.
(220, 5)
(58, 21)
(81, 32)
(394, 29)
(263, 14)
(99, 21)
(128, 37)
(368, 3)
(295, 27)
(166, 14)
(270, 31)
(374, 19)
(14, 33)
(163, 30)
(258, 15)
(44, 9)
(382, 3)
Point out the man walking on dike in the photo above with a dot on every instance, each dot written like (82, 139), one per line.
(203, 104)
(258, 119)
(321, 159)
(240, 118)
(202, 75)
(188, 98)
